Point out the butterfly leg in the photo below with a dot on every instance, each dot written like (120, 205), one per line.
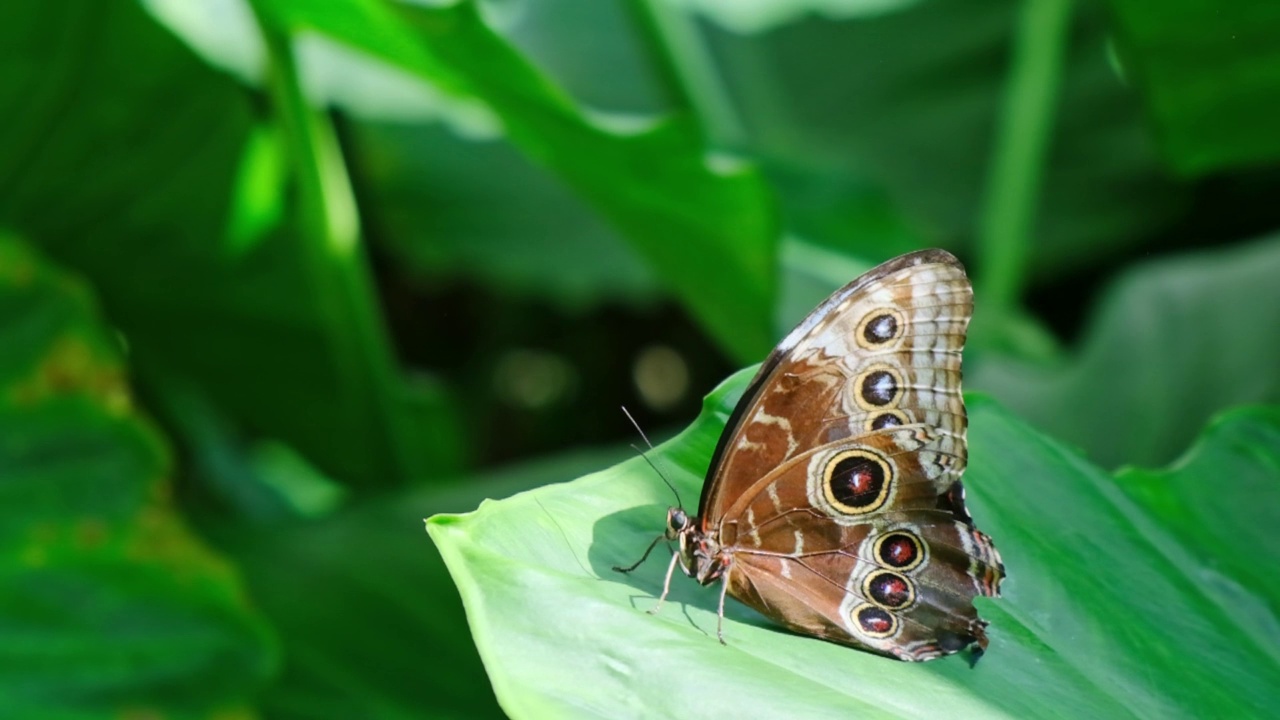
(666, 585)
(724, 588)
(645, 556)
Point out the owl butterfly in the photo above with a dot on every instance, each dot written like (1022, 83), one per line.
(833, 503)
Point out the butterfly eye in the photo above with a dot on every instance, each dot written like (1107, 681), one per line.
(677, 520)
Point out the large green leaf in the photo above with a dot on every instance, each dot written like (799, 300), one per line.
(386, 635)
(906, 97)
(1173, 342)
(708, 225)
(428, 191)
(1111, 608)
(141, 168)
(1210, 73)
(1214, 525)
(431, 198)
(110, 607)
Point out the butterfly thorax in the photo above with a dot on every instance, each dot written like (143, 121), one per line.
(701, 555)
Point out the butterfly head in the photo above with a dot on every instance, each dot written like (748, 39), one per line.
(701, 556)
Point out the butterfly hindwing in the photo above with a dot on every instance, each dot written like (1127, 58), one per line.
(868, 604)
(860, 522)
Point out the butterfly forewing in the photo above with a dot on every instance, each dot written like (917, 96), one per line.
(882, 351)
(835, 489)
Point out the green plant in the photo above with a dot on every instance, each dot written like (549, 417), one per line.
(277, 279)
(1126, 595)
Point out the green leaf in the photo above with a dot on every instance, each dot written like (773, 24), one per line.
(913, 110)
(110, 606)
(1173, 342)
(706, 224)
(386, 636)
(134, 189)
(432, 196)
(752, 16)
(428, 190)
(1183, 499)
(1109, 610)
(1210, 73)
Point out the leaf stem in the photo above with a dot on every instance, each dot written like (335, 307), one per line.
(330, 242)
(1018, 159)
(687, 69)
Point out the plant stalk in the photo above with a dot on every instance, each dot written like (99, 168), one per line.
(336, 264)
(1024, 130)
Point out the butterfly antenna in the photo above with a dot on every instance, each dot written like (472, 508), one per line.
(636, 425)
(675, 492)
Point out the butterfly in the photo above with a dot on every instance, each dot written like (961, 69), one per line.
(833, 503)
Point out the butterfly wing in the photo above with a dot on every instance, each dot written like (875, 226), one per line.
(852, 542)
(884, 350)
(837, 487)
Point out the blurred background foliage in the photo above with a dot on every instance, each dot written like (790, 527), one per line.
(279, 278)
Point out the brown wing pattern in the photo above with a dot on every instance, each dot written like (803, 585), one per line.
(882, 351)
(838, 492)
(849, 541)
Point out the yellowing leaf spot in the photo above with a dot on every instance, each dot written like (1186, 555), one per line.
(72, 366)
